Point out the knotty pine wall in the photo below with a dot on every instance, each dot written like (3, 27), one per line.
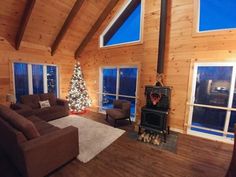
(184, 47)
(36, 54)
(144, 55)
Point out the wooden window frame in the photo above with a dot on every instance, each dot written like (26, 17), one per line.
(190, 102)
(117, 95)
(113, 21)
(196, 32)
(30, 81)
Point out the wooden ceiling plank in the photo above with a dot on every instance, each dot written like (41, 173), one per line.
(24, 21)
(78, 4)
(95, 27)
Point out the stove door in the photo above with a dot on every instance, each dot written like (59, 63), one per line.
(153, 119)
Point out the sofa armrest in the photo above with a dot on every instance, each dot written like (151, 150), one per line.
(48, 152)
(63, 103)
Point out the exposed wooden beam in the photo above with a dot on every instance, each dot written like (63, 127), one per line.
(95, 27)
(24, 21)
(78, 4)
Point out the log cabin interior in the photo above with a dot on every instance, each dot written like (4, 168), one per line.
(140, 88)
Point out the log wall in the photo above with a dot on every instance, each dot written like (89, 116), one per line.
(27, 53)
(184, 46)
(142, 55)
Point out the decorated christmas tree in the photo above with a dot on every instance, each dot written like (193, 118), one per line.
(78, 97)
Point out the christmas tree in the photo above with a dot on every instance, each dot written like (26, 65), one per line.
(78, 97)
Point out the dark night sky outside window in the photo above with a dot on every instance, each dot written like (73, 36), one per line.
(37, 75)
(217, 15)
(52, 79)
(21, 79)
(127, 27)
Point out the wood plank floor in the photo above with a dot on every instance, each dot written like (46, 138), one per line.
(195, 157)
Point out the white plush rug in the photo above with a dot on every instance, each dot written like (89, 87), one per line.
(94, 137)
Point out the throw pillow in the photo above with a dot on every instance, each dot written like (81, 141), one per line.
(48, 96)
(44, 104)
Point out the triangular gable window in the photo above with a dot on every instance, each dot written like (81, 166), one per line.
(125, 27)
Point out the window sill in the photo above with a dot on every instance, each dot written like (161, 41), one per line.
(214, 32)
(127, 44)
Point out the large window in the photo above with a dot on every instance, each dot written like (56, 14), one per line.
(37, 76)
(216, 15)
(213, 100)
(35, 79)
(21, 79)
(118, 83)
(52, 79)
(125, 27)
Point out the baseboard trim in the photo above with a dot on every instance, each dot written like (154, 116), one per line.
(177, 130)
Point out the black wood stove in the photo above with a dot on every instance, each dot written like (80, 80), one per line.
(154, 115)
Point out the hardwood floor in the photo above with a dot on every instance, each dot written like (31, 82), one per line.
(195, 157)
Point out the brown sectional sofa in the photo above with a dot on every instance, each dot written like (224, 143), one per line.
(34, 146)
(29, 105)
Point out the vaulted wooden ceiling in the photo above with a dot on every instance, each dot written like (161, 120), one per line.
(64, 26)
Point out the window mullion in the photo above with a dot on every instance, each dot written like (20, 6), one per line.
(231, 96)
(100, 88)
(117, 83)
(30, 79)
(45, 83)
(58, 82)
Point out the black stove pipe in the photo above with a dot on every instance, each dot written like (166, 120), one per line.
(162, 36)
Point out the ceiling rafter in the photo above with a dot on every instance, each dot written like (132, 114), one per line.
(78, 4)
(95, 27)
(24, 22)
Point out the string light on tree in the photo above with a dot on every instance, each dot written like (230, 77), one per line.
(78, 97)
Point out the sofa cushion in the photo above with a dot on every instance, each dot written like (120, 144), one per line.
(34, 119)
(51, 113)
(19, 122)
(31, 100)
(48, 96)
(42, 126)
(117, 104)
(45, 128)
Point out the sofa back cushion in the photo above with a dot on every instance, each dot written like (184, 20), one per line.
(9, 135)
(31, 100)
(19, 122)
(10, 142)
(48, 96)
(117, 104)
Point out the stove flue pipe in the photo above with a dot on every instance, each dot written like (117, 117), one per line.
(162, 42)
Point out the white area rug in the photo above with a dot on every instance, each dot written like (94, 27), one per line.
(94, 137)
